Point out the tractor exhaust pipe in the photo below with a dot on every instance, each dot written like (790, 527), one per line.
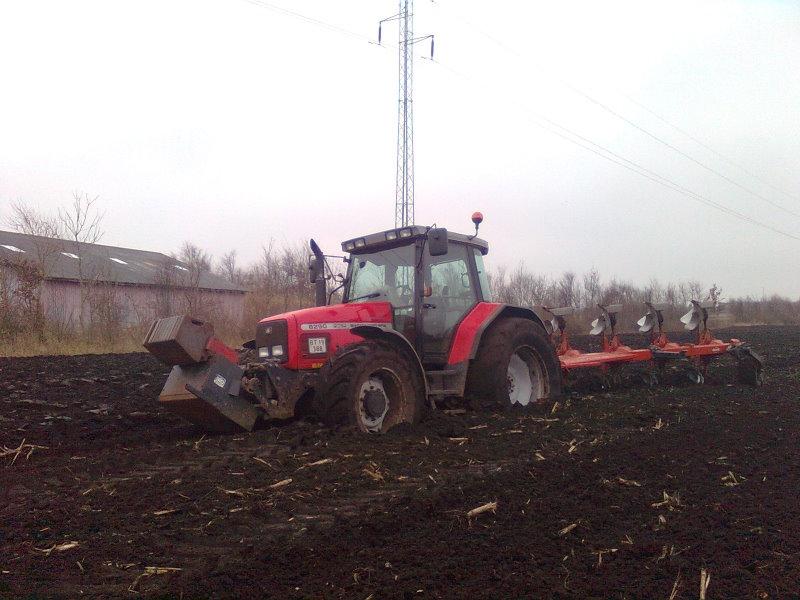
(316, 272)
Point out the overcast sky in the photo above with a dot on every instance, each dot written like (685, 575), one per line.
(229, 123)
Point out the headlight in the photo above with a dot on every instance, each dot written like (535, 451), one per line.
(271, 340)
(404, 233)
(360, 243)
(391, 235)
(349, 246)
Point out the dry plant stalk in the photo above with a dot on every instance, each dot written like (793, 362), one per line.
(628, 482)
(567, 529)
(671, 501)
(280, 484)
(731, 480)
(317, 463)
(705, 581)
(57, 548)
(675, 588)
(148, 571)
(19, 449)
(489, 506)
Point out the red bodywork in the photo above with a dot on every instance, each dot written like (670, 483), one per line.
(334, 323)
(217, 346)
(469, 329)
(331, 322)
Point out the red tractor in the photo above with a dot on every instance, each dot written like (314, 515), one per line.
(416, 325)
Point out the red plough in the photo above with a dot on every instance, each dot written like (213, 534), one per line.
(614, 354)
(704, 349)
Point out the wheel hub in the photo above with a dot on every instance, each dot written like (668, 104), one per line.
(373, 404)
(520, 381)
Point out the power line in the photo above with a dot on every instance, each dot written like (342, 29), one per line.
(302, 17)
(588, 144)
(710, 149)
(623, 118)
(574, 138)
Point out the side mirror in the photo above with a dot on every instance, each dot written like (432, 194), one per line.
(314, 269)
(437, 241)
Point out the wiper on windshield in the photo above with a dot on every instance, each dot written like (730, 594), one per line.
(365, 297)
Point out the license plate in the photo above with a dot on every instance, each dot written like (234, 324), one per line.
(317, 345)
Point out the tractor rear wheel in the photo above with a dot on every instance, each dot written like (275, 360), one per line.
(370, 385)
(515, 367)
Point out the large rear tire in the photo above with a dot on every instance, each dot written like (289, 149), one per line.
(370, 385)
(516, 366)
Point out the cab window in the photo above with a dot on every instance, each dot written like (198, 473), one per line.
(385, 276)
(483, 276)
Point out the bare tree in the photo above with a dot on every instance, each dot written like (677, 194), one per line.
(81, 224)
(196, 258)
(566, 289)
(696, 289)
(528, 289)
(654, 292)
(591, 288)
(715, 295)
(228, 268)
(45, 231)
(189, 278)
(26, 219)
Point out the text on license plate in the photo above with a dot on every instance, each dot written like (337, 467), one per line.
(317, 345)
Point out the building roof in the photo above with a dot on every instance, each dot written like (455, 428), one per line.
(66, 260)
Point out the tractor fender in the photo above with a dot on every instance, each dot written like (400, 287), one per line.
(470, 331)
(398, 340)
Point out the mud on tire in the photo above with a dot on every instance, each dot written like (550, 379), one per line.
(370, 385)
(510, 345)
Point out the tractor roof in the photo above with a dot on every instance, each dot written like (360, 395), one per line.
(402, 236)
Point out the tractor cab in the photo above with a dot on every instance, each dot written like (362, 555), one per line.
(432, 278)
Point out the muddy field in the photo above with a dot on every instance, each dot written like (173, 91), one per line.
(623, 495)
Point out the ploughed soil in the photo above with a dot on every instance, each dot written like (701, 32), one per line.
(628, 494)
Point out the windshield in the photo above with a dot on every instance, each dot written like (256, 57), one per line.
(385, 276)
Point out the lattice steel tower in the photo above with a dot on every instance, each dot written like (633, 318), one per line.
(404, 189)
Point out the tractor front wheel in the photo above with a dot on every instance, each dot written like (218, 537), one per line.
(370, 385)
(515, 367)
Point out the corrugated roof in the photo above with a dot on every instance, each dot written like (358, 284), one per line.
(65, 259)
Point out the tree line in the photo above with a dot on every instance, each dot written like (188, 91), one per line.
(277, 281)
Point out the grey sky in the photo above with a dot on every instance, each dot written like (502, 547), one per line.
(228, 123)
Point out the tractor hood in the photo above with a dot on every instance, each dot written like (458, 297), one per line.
(337, 316)
(311, 335)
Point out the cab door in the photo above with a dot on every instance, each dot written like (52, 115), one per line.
(448, 293)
